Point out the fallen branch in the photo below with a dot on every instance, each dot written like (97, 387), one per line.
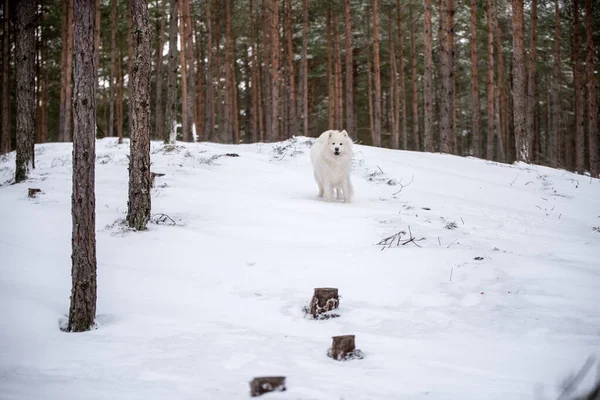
(403, 186)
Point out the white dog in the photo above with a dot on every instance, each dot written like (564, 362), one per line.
(331, 157)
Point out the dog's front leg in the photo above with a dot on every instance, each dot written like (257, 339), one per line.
(328, 191)
(347, 188)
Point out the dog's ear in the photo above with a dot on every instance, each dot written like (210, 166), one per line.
(345, 133)
(330, 133)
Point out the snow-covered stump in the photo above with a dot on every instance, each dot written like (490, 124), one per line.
(324, 300)
(343, 348)
(266, 384)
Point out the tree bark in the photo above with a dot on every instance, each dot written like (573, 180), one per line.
(553, 153)
(200, 88)
(339, 96)
(490, 84)
(401, 103)
(138, 206)
(501, 107)
(210, 88)
(274, 41)
(120, 90)
(531, 84)
(330, 78)
(428, 81)
(190, 114)
(350, 128)
(25, 75)
(393, 85)
(377, 73)
(291, 104)
(229, 80)
(370, 84)
(65, 118)
(254, 80)
(447, 144)
(475, 115)
(579, 94)
(171, 110)
(5, 144)
(159, 110)
(519, 90)
(113, 69)
(591, 91)
(415, 97)
(82, 311)
(305, 67)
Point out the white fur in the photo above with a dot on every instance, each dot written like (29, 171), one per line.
(331, 171)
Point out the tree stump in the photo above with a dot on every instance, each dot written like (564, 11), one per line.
(31, 192)
(266, 384)
(343, 348)
(324, 300)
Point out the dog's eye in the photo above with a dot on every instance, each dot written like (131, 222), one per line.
(341, 144)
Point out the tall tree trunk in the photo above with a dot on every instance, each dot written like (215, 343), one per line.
(5, 145)
(330, 78)
(267, 74)
(447, 77)
(38, 71)
(339, 101)
(502, 105)
(305, 67)
(159, 111)
(393, 85)
(82, 311)
(519, 90)
(428, 82)
(591, 91)
(531, 78)
(200, 85)
(171, 110)
(415, 97)
(274, 39)
(97, 34)
(120, 90)
(138, 206)
(553, 153)
(377, 72)
(349, 73)
(185, 129)
(370, 84)
(490, 84)
(401, 103)
(579, 94)
(254, 80)
(229, 79)
(475, 115)
(25, 58)
(291, 104)
(188, 41)
(210, 88)
(64, 128)
(44, 94)
(113, 68)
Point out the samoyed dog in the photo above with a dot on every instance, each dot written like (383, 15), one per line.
(331, 157)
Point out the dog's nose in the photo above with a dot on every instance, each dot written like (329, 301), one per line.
(337, 149)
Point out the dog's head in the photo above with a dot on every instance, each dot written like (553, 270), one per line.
(339, 143)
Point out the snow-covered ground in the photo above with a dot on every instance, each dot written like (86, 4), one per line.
(196, 310)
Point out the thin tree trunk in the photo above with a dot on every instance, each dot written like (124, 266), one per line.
(531, 78)
(45, 82)
(171, 110)
(274, 39)
(415, 98)
(428, 81)
(185, 129)
(393, 85)
(401, 104)
(159, 110)
(113, 68)
(339, 96)
(349, 73)
(579, 94)
(188, 41)
(210, 88)
(291, 105)
(120, 89)
(502, 105)
(254, 81)
(591, 91)
(447, 77)
(82, 311)
(475, 115)
(553, 154)
(267, 75)
(97, 34)
(5, 144)
(370, 84)
(38, 71)
(305, 67)
(64, 128)
(377, 72)
(200, 97)
(490, 84)
(25, 76)
(138, 206)
(229, 80)
(330, 78)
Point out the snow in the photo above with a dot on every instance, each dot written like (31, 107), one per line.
(197, 309)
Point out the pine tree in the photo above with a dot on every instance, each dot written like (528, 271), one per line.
(519, 89)
(428, 82)
(171, 111)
